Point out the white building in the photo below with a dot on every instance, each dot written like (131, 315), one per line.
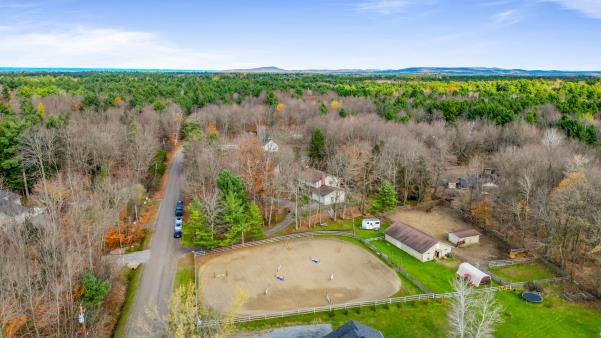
(472, 274)
(464, 237)
(270, 147)
(324, 187)
(370, 224)
(327, 195)
(416, 243)
(316, 178)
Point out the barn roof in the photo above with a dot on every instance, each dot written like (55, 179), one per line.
(411, 237)
(466, 233)
(353, 329)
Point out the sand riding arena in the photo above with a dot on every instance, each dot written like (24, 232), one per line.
(294, 274)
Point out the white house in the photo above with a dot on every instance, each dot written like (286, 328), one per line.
(316, 178)
(416, 243)
(472, 274)
(270, 147)
(327, 195)
(370, 224)
(464, 237)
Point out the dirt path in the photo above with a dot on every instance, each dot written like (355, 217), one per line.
(158, 273)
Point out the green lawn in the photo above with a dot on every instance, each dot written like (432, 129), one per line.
(552, 318)
(133, 277)
(406, 320)
(347, 225)
(523, 272)
(436, 275)
(185, 271)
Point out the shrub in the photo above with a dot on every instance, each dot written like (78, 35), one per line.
(358, 310)
(331, 314)
(533, 286)
(94, 290)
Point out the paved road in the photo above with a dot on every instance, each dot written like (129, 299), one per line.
(280, 226)
(156, 281)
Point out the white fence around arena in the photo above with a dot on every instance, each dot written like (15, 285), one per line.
(271, 240)
(352, 305)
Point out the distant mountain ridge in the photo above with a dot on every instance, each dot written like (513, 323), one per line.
(425, 70)
(272, 69)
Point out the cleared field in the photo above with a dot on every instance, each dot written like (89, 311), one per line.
(436, 275)
(357, 276)
(523, 272)
(439, 222)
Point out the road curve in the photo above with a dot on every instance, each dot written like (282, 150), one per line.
(156, 282)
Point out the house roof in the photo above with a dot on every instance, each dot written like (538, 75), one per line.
(313, 175)
(353, 329)
(465, 233)
(411, 237)
(325, 190)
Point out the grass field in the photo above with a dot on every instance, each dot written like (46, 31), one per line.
(436, 275)
(133, 277)
(185, 271)
(406, 320)
(553, 318)
(347, 225)
(523, 272)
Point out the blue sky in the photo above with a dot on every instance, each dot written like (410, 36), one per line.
(222, 34)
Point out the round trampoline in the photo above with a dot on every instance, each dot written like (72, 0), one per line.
(532, 297)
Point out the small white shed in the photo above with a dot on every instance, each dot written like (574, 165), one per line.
(464, 237)
(370, 224)
(472, 274)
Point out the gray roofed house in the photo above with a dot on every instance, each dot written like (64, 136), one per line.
(415, 242)
(353, 329)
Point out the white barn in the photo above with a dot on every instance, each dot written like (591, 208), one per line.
(464, 237)
(416, 243)
(370, 224)
(472, 274)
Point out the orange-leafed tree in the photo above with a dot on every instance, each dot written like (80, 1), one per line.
(117, 101)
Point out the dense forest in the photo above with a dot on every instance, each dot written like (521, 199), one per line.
(88, 148)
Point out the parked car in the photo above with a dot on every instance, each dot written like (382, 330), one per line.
(179, 208)
(178, 227)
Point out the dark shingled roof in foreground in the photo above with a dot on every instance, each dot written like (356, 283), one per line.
(353, 329)
(411, 237)
(466, 233)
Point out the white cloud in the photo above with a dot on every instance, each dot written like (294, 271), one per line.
(98, 47)
(508, 17)
(590, 8)
(383, 7)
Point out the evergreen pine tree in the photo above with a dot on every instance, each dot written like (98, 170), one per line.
(255, 222)
(317, 146)
(196, 230)
(385, 199)
(236, 217)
